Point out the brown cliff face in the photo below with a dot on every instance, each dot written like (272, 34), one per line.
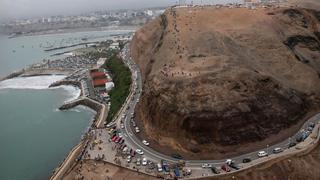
(225, 77)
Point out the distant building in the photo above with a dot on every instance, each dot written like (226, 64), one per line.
(115, 45)
(149, 13)
(182, 2)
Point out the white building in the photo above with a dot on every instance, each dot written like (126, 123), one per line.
(115, 45)
(101, 62)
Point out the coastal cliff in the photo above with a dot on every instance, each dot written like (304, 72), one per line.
(217, 78)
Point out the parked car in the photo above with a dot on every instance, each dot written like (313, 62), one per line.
(125, 149)
(277, 150)
(246, 160)
(138, 162)
(139, 151)
(145, 142)
(226, 168)
(122, 126)
(137, 130)
(262, 154)
(159, 167)
(215, 170)
(128, 159)
(206, 165)
(144, 161)
(118, 140)
(122, 141)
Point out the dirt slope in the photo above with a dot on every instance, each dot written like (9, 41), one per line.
(221, 78)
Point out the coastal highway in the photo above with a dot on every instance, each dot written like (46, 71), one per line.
(134, 142)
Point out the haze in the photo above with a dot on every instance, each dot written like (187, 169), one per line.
(30, 8)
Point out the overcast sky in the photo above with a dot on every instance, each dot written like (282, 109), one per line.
(29, 8)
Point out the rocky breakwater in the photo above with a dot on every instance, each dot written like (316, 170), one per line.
(219, 78)
(84, 102)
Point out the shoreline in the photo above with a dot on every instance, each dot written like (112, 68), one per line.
(101, 110)
(75, 30)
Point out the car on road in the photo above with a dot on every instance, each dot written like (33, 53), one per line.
(122, 126)
(145, 142)
(234, 166)
(139, 151)
(206, 165)
(226, 168)
(292, 144)
(177, 156)
(134, 124)
(215, 170)
(144, 161)
(312, 125)
(137, 129)
(277, 150)
(229, 161)
(159, 167)
(262, 154)
(246, 160)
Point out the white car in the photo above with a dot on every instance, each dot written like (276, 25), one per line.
(120, 135)
(229, 161)
(144, 161)
(145, 142)
(122, 126)
(139, 151)
(262, 154)
(129, 159)
(138, 162)
(206, 165)
(159, 167)
(137, 130)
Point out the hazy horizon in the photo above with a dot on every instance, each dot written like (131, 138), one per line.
(17, 9)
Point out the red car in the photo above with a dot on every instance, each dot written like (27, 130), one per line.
(226, 168)
(114, 138)
(118, 140)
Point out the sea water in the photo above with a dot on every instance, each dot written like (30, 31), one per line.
(35, 136)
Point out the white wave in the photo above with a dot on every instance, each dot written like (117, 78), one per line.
(73, 92)
(33, 82)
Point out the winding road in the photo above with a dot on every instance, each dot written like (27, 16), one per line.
(134, 142)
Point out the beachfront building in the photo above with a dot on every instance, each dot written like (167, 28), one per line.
(101, 80)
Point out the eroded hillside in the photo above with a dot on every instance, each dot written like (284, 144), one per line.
(219, 78)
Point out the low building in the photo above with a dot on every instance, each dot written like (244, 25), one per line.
(101, 62)
(115, 45)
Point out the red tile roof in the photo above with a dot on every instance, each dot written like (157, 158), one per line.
(99, 82)
(97, 74)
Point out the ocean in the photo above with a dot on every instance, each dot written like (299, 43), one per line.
(35, 136)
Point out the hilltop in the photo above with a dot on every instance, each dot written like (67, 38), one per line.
(221, 81)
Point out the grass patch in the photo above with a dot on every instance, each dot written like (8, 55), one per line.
(122, 79)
